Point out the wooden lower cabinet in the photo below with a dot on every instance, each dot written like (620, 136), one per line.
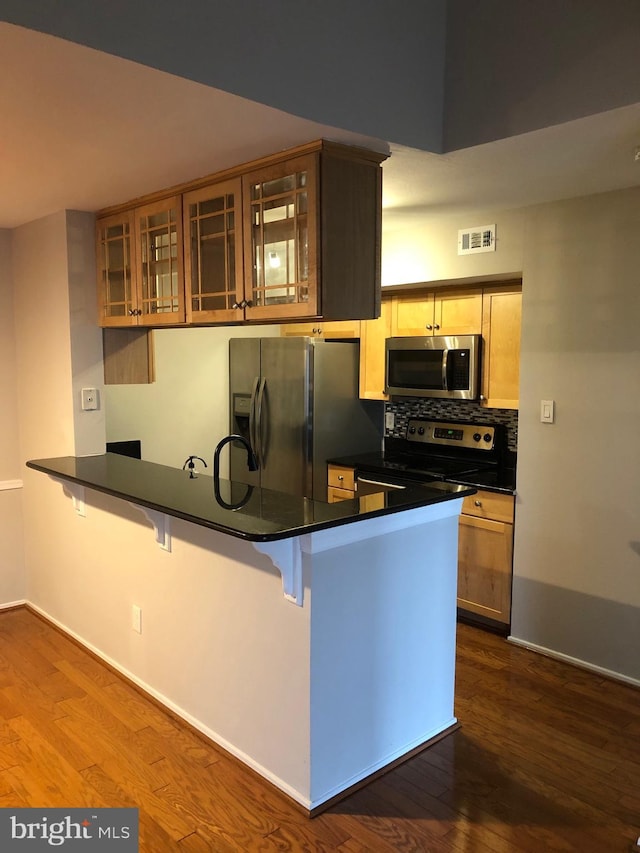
(485, 556)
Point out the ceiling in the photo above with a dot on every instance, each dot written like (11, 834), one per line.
(84, 130)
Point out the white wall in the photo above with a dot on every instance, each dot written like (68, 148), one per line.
(186, 410)
(428, 250)
(12, 578)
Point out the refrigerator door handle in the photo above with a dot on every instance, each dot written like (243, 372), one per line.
(252, 416)
(258, 428)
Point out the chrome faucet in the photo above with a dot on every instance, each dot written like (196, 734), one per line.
(252, 462)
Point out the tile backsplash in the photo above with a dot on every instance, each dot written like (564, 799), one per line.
(405, 408)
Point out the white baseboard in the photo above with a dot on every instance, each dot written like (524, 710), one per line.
(178, 711)
(11, 605)
(9, 485)
(582, 664)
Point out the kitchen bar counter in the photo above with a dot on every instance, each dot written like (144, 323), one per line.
(251, 513)
(317, 683)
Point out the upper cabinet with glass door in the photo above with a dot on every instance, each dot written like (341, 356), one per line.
(140, 271)
(294, 236)
(116, 290)
(312, 236)
(213, 253)
(281, 240)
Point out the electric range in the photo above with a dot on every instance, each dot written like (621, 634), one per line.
(457, 452)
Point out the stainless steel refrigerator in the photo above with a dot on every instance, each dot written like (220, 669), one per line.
(296, 401)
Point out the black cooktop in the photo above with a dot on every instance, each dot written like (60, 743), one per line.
(434, 450)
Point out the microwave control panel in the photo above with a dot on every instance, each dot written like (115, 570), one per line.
(472, 436)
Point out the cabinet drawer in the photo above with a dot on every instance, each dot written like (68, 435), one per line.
(334, 495)
(341, 477)
(491, 505)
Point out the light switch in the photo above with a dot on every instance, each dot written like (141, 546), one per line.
(547, 411)
(89, 399)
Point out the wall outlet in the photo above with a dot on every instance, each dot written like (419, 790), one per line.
(90, 399)
(136, 618)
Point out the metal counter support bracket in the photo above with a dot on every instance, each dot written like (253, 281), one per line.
(286, 556)
(161, 524)
(76, 492)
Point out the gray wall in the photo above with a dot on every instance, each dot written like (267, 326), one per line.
(577, 551)
(517, 65)
(374, 66)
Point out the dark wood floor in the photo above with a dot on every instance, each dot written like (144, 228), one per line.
(547, 759)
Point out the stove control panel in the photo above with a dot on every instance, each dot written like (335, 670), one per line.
(474, 436)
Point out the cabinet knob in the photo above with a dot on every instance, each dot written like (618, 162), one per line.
(478, 503)
(340, 477)
(436, 326)
(319, 330)
(429, 326)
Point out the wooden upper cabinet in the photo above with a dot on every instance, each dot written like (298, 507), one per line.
(330, 329)
(214, 273)
(447, 312)
(140, 268)
(502, 318)
(295, 236)
(373, 334)
(158, 232)
(312, 236)
(116, 286)
(281, 240)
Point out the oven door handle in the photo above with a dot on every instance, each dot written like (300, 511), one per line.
(379, 483)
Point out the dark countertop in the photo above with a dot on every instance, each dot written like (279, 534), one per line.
(254, 514)
(501, 479)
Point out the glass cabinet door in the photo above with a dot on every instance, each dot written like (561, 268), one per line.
(280, 205)
(213, 253)
(159, 241)
(116, 291)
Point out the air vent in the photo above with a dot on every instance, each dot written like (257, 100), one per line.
(479, 239)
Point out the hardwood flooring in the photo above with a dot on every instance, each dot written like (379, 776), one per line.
(547, 759)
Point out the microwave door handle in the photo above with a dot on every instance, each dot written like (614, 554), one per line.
(445, 369)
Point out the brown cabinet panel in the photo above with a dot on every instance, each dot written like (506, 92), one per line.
(341, 477)
(334, 495)
(485, 556)
(116, 270)
(148, 288)
(336, 330)
(214, 271)
(493, 505)
(501, 322)
(373, 334)
(452, 311)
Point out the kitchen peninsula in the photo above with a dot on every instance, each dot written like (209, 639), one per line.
(350, 670)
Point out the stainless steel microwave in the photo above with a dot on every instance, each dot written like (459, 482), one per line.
(438, 366)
